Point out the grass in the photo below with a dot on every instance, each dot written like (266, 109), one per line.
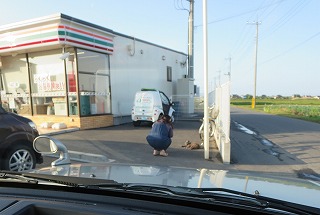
(305, 109)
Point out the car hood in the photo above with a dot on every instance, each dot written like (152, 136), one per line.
(291, 189)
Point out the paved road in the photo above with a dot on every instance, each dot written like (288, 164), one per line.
(127, 144)
(260, 140)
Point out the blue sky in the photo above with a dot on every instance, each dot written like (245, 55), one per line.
(289, 36)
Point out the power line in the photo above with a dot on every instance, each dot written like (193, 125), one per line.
(245, 45)
(262, 17)
(282, 21)
(288, 16)
(242, 44)
(291, 49)
(179, 7)
(240, 14)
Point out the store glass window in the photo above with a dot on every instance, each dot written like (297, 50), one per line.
(94, 82)
(15, 92)
(48, 87)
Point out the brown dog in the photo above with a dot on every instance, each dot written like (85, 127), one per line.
(191, 145)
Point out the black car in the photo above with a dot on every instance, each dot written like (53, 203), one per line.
(16, 136)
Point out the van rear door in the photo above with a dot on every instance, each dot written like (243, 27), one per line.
(143, 104)
(165, 103)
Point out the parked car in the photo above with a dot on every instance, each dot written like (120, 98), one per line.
(16, 136)
(149, 105)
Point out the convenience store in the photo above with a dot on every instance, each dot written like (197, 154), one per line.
(61, 69)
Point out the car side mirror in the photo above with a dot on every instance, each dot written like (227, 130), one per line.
(49, 145)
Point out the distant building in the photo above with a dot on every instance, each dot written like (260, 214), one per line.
(235, 96)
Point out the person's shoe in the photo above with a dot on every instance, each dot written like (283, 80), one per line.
(156, 152)
(163, 153)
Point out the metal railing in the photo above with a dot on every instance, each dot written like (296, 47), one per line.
(222, 129)
(220, 99)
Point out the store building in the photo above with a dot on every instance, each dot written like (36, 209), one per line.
(62, 69)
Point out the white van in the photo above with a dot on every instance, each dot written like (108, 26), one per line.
(149, 105)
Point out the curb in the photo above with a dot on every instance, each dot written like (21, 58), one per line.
(50, 132)
(85, 157)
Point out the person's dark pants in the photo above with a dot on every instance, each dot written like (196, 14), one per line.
(159, 143)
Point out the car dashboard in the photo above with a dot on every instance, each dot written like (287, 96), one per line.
(49, 200)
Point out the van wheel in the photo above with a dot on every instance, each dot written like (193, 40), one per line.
(136, 123)
(20, 158)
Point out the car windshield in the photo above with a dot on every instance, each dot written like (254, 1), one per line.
(198, 94)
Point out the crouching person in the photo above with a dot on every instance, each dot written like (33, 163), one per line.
(160, 136)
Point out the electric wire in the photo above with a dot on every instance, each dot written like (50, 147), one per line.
(248, 43)
(179, 7)
(293, 11)
(271, 11)
(285, 18)
(292, 48)
(244, 43)
(239, 14)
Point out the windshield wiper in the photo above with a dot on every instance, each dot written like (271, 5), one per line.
(36, 178)
(185, 192)
(212, 195)
(269, 203)
(17, 177)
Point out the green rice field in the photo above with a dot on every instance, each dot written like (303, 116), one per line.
(305, 109)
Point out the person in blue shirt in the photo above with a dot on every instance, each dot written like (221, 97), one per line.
(160, 136)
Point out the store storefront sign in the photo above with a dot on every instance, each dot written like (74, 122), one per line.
(60, 33)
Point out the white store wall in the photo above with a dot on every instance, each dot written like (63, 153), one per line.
(142, 67)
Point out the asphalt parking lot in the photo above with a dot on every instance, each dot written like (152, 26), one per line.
(127, 144)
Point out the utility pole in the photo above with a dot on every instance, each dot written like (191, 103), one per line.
(205, 75)
(255, 64)
(219, 76)
(190, 40)
(229, 73)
